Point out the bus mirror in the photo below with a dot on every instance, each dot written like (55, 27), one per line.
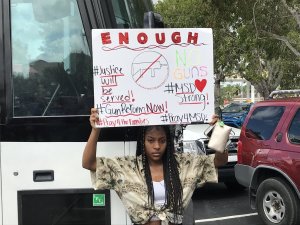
(153, 20)
(45, 11)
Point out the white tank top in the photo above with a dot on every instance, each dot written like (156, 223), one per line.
(159, 192)
(159, 195)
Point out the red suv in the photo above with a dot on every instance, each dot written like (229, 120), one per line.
(269, 159)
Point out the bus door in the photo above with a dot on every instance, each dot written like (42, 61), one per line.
(2, 98)
(46, 92)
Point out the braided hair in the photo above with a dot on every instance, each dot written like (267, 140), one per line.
(173, 188)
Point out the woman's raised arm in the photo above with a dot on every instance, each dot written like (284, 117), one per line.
(89, 153)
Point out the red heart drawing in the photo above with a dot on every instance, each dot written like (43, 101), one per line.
(200, 85)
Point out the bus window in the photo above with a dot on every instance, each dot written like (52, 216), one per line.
(51, 62)
(130, 13)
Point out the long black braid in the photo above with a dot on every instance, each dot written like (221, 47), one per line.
(170, 166)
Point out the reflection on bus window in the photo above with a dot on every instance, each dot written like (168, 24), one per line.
(130, 13)
(51, 62)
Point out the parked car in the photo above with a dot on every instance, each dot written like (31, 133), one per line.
(269, 159)
(192, 138)
(234, 114)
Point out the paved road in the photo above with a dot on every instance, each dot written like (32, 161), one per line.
(214, 204)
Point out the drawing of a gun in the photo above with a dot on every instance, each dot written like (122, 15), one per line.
(141, 67)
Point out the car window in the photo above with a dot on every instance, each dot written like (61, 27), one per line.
(263, 122)
(235, 108)
(294, 131)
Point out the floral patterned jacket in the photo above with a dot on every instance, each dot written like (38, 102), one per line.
(128, 180)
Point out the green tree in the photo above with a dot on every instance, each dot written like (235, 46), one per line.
(218, 15)
(266, 61)
(229, 92)
(256, 39)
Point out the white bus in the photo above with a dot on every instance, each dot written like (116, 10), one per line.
(46, 92)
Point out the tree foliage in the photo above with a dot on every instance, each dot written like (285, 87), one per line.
(268, 62)
(258, 40)
(214, 14)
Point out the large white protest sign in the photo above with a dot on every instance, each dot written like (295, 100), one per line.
(153, 76)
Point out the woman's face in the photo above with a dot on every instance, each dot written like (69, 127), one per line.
(155, 144)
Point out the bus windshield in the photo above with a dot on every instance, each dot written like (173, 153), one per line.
(51, 61)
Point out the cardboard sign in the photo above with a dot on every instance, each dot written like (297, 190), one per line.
(153, 76)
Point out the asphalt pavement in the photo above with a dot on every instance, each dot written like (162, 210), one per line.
(214, 204)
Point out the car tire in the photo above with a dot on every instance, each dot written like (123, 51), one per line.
(277, 203)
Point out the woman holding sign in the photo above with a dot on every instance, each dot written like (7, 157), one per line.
(157, 184)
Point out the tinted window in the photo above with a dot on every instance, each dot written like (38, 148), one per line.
(130, 13)
(235, 108)
(62, 207)
(51, 62)
(263, 122)
(294, 130)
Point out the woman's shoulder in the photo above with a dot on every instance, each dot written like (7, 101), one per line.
(118, 157)
(125, 157)
(184, 156)
(120, 160)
